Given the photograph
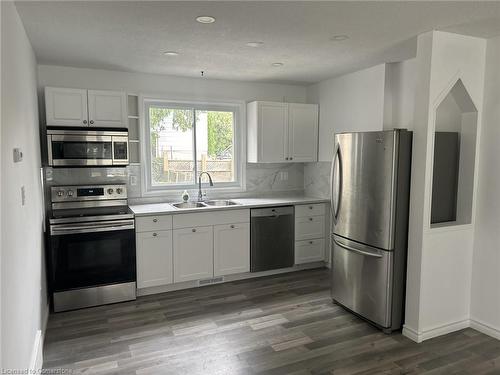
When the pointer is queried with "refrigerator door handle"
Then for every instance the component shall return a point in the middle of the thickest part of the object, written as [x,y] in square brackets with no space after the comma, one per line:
[336,202]
[369,253]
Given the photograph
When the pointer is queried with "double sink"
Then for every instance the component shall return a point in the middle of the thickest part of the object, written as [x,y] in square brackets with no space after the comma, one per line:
[211,203]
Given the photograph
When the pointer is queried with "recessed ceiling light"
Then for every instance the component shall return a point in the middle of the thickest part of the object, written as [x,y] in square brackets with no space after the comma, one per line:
[339,38]
[254,44]
[171,53]
[277,64]
[205,19]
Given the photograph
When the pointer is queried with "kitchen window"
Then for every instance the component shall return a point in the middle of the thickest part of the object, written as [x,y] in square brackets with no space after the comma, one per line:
[184,139]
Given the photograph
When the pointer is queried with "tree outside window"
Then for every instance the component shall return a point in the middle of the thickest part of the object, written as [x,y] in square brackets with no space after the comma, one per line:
[187,141]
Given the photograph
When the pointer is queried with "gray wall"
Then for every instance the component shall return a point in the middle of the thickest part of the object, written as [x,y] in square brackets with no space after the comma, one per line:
[23,301]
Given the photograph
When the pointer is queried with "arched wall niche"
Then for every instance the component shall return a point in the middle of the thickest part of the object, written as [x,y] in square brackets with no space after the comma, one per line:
[455,134]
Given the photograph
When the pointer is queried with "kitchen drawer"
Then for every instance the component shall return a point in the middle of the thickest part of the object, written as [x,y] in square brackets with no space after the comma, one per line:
[316,209]
[201,219]
[153,223]
[309,251]
[309,227]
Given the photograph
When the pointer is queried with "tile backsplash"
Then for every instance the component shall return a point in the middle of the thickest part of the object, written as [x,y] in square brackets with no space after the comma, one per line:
[317,179]
[261,179]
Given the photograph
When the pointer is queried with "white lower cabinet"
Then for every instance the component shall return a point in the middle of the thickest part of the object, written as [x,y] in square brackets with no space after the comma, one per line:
[154,258]
[231,249]
[193,253]
[310,229]
[309,251]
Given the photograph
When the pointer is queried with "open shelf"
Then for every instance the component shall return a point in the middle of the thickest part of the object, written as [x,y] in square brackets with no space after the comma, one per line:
[133,129]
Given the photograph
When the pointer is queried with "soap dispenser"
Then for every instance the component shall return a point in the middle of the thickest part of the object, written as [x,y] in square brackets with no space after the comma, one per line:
[185,196]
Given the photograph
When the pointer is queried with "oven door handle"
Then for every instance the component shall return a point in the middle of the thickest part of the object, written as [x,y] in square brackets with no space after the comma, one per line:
[62,229]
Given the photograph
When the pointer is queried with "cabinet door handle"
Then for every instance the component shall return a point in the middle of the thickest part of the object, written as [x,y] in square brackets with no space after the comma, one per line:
[155,220]
[310,219]
[311,242]
[232,226]
[155,234]
[310,207]
[85,122]
[193,230]
[291,158]
[91,122]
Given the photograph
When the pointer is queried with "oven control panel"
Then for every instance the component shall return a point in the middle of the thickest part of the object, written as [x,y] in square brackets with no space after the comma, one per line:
[85,193]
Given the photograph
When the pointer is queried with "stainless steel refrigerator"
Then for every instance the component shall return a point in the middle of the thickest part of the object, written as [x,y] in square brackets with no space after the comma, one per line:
[370,186]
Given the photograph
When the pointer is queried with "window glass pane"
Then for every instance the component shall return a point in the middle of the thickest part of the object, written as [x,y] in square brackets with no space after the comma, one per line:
[215,144]
[172,148]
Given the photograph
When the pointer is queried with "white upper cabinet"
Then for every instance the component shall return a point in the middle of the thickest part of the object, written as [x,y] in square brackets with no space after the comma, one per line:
[79,107]
[66,107]
[107,108]
[303,132]
[282,132]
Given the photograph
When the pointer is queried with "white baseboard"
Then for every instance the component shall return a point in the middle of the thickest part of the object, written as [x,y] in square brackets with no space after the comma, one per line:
[411,334]
[485,328]
[419,336]
[36,362]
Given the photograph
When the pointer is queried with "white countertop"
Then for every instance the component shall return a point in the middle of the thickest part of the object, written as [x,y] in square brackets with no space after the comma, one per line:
[167,208]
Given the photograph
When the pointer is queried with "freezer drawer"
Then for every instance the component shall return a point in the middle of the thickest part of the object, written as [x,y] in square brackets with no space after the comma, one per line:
[362,280]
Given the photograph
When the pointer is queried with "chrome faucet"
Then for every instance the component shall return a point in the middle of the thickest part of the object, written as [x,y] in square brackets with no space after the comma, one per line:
[200,193]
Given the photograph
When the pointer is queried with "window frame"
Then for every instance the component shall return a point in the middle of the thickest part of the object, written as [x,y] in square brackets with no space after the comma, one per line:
[239,154]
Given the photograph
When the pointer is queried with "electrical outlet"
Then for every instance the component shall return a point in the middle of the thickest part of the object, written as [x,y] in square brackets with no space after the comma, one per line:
[284,175]
[133,180]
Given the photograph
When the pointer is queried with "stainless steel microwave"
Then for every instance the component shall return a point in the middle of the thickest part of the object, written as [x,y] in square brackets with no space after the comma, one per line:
[87,148]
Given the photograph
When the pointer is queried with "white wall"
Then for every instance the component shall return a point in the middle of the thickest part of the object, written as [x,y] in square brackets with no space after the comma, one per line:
[169,86]
[352,102]
[22,294]
[439,259]
[485,303]
[399,102]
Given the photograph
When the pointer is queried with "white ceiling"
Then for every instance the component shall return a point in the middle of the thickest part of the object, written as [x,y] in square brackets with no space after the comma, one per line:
[131,35]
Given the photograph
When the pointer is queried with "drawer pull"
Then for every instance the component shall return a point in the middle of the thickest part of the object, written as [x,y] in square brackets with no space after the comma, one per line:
[155,220]
[155,234]
[310,219]
[193,230]
[311,207]
[232,226]
[311,242]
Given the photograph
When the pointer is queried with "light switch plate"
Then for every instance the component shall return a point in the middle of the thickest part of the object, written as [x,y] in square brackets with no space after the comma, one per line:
[18,155]
[23,195]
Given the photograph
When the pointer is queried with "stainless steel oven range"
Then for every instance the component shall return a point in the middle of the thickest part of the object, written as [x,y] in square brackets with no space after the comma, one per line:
[91,252]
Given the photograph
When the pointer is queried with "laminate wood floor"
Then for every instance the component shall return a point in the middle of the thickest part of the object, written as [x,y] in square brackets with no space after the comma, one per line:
[284,324]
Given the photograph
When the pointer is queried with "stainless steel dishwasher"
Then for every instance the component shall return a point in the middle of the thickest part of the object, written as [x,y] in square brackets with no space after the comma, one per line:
[272,238]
